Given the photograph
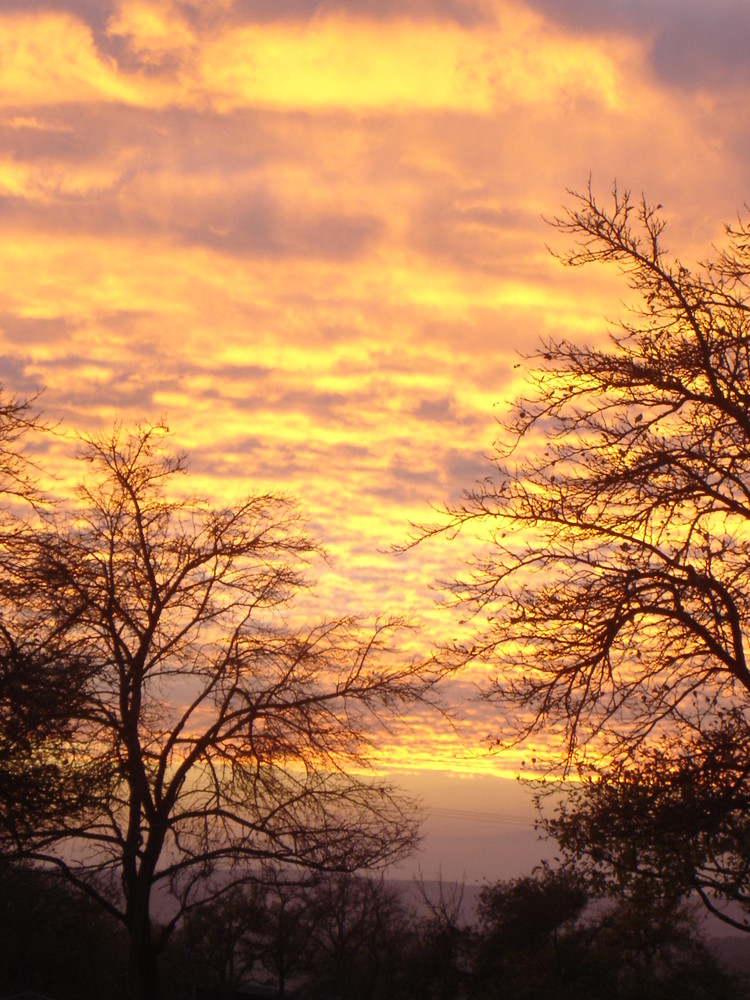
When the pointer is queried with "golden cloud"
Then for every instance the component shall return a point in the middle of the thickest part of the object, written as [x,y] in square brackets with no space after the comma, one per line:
[331,62]
[335,63]
[51,58]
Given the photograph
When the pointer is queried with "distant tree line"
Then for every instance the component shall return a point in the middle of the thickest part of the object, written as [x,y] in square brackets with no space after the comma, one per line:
[544,936]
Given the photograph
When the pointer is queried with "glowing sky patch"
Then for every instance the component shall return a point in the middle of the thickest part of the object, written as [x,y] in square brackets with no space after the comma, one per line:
[76,73]
[311,237]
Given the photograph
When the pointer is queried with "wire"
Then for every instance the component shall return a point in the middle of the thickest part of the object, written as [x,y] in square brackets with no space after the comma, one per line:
[477,816]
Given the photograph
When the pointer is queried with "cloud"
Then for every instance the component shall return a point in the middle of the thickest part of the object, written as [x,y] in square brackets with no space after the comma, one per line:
[475,230]
[40,329]
[704,46]
[467,13]
[17,378]
[262,228]
[440,410]
[306,54]
[78,72]
[95,13]
[604,16]
[332,62]
[154,57]
[253,224]
[690,44]
[311,233]
[463,471]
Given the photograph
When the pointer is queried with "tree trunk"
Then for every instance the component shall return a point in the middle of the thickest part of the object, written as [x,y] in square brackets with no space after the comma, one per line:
[142,956]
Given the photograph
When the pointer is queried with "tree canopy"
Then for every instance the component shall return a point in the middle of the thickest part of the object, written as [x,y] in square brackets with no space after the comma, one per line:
[41,678]
[612,592]
[208,731]
[613,595]
[675,821]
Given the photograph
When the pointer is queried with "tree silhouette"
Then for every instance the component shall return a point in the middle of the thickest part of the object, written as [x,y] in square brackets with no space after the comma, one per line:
[360,928]
[217,945]
[549,934]
[441,960]
[212,733]
[41,677]
[675,821]
[54,941]
[288,924]
[613,594]
[18,482]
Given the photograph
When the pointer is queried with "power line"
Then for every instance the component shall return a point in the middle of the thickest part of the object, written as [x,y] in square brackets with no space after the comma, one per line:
[478,816]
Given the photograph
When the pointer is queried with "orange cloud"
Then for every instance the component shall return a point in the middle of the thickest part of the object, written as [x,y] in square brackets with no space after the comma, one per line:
[51,58]
[156,33]
[315,244]
[329,62]
[360,63]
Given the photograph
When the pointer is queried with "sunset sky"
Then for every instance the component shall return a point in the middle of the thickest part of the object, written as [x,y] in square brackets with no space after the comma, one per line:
[309,235]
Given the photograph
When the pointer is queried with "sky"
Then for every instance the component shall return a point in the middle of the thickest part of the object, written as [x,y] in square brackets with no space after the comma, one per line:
[311,236]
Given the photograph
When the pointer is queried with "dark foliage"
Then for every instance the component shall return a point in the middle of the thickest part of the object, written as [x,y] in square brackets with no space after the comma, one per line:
[677,815]
[41,676]
[549,935]
[55,941]
[545,935]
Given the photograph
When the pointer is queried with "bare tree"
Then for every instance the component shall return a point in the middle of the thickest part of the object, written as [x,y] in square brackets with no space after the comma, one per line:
[214,734]
[613,594]
[288,924]
[360,927]
[217,945]
[442,961]
[39,682]
[19,418]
